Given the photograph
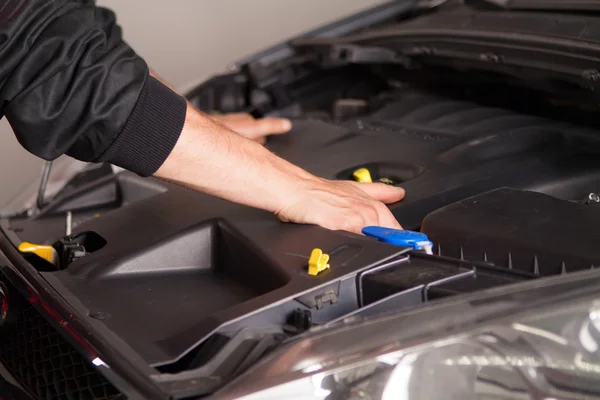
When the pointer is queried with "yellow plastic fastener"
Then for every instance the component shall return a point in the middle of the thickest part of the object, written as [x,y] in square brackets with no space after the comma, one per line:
[48,253]
[362,175]
[318,262]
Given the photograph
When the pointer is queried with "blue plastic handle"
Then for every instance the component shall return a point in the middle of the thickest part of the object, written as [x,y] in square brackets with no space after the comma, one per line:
[397,237]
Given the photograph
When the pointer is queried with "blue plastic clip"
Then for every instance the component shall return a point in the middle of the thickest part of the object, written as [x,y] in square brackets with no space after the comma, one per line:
[397,237]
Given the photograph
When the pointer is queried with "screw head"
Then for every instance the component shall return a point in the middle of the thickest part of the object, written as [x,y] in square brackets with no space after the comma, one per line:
[99,315]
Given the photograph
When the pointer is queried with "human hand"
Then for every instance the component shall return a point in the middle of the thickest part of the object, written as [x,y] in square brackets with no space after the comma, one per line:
[214,160]
[243,123]
[252,128]
[342,205]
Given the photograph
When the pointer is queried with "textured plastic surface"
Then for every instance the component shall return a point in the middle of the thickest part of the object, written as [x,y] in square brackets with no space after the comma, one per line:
[555,51]
[432,277]
[180,266]
[519,230]
[98,191]
[192,289]
[199,278]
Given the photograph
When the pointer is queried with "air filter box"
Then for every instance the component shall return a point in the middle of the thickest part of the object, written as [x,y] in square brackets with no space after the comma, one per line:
[515,229]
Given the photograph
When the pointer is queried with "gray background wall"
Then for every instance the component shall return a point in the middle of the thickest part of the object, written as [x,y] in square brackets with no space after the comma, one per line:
[186,41]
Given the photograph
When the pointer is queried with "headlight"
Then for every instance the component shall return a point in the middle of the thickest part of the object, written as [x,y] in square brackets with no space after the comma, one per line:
[551,350]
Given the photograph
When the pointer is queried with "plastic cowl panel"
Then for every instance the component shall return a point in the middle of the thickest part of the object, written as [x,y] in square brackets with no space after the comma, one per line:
[547,351]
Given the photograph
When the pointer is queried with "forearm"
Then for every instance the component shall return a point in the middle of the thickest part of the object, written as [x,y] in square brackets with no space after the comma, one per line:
[214,160]
[77,88]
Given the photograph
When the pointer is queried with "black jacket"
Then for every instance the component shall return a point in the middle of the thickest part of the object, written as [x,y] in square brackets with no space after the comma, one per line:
[70,85]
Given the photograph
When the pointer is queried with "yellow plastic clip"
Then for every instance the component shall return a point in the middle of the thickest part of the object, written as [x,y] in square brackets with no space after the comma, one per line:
[318,262]
[48,253]
[362,175]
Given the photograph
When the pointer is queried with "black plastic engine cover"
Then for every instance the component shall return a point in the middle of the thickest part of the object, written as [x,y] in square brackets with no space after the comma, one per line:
[518,229]
[179,266]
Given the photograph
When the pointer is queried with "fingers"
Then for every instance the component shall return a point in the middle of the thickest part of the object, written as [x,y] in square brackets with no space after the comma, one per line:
[256,129]
[376,212]
[268,126]
[380,191]
[373,214]
[233,117]
[386,218]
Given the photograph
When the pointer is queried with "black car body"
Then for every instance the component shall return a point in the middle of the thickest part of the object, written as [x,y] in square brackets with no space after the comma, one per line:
[484,111]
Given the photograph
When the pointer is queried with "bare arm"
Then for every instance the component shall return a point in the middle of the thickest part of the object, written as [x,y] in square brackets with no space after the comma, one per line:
[78,89]
[210,158]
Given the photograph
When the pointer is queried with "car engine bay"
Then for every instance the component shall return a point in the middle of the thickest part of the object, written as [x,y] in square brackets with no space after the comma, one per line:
[505,197]
[505,183]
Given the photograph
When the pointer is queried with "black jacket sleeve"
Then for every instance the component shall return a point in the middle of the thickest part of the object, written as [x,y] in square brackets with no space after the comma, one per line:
[70,85]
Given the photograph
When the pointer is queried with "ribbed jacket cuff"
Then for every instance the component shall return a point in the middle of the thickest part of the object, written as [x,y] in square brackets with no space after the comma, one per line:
[151,131]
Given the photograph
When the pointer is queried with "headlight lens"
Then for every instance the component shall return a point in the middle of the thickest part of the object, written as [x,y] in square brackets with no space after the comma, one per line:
[551,353]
